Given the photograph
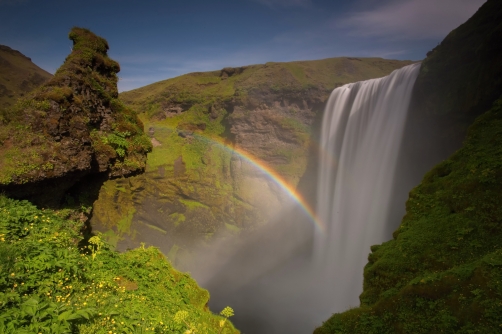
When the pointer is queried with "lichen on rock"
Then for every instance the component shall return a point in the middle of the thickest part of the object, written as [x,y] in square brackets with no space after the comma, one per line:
[71,127]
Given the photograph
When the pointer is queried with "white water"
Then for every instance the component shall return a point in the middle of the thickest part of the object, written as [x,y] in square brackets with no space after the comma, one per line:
[361,134]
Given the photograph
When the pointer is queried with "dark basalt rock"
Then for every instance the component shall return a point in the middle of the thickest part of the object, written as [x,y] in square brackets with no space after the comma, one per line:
[458,81]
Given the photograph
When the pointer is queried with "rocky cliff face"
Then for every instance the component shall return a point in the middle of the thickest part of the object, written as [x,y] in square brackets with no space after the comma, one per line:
[213,133]
[71,127]
[458,81]
[18,76]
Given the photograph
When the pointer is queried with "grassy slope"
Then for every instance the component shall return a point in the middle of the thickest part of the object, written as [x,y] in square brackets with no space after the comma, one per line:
[51,281]
[442,271]
[209,87]
[18,75]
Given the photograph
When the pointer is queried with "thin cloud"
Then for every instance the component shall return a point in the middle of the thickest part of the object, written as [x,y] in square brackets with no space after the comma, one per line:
[285,3]
[410,19]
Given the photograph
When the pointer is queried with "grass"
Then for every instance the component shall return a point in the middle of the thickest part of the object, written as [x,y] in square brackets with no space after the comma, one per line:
[18,76]
[442,270]
[54,281]
[209,89]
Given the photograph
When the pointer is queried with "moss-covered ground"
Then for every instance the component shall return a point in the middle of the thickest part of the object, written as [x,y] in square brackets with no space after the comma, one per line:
[54,281]
[442,272]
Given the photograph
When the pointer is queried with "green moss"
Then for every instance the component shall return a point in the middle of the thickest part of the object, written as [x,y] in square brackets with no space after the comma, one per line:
[192,205]
[232,228]
[177,218]
[124,224]
[156,228]
[41,121]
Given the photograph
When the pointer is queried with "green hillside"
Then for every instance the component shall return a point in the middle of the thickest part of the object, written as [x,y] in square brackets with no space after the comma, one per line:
[243,84]
[60,142]
[18,76]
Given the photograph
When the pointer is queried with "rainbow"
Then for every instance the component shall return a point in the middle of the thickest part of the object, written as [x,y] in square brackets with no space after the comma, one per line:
[271,174]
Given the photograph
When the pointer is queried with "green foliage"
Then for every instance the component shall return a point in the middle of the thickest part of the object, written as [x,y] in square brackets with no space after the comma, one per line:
[227,312]
[52,282]
[118,140]
[442,271]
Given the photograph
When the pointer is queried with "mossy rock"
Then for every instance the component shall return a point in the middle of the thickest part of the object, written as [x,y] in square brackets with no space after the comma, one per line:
[70,127]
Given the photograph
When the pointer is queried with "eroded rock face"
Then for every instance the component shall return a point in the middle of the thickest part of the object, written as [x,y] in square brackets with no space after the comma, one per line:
[71,127]
[458,81]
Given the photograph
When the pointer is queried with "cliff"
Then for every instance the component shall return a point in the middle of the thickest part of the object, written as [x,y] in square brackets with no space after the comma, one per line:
[458,81]
[18,76]
[441,270]
[213,133]
[71,127]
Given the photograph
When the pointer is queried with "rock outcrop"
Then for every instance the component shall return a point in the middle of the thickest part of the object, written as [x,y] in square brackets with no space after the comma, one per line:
[458,81]
[71,127]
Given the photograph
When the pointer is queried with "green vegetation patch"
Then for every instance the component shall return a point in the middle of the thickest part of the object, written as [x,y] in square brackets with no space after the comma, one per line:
[442,272]
[53,281]
[192,205]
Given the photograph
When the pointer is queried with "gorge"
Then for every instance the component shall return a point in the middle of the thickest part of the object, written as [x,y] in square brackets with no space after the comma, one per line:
[270,184]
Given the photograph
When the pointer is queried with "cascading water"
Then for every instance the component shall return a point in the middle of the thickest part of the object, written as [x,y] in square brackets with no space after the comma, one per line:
[274,281]
[361,134]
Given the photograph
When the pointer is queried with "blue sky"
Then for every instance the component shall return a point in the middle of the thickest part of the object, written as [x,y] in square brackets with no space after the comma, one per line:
[158,39]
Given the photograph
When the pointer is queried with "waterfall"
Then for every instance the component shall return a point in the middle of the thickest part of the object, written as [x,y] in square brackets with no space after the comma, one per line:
[361,134]
[273,280]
